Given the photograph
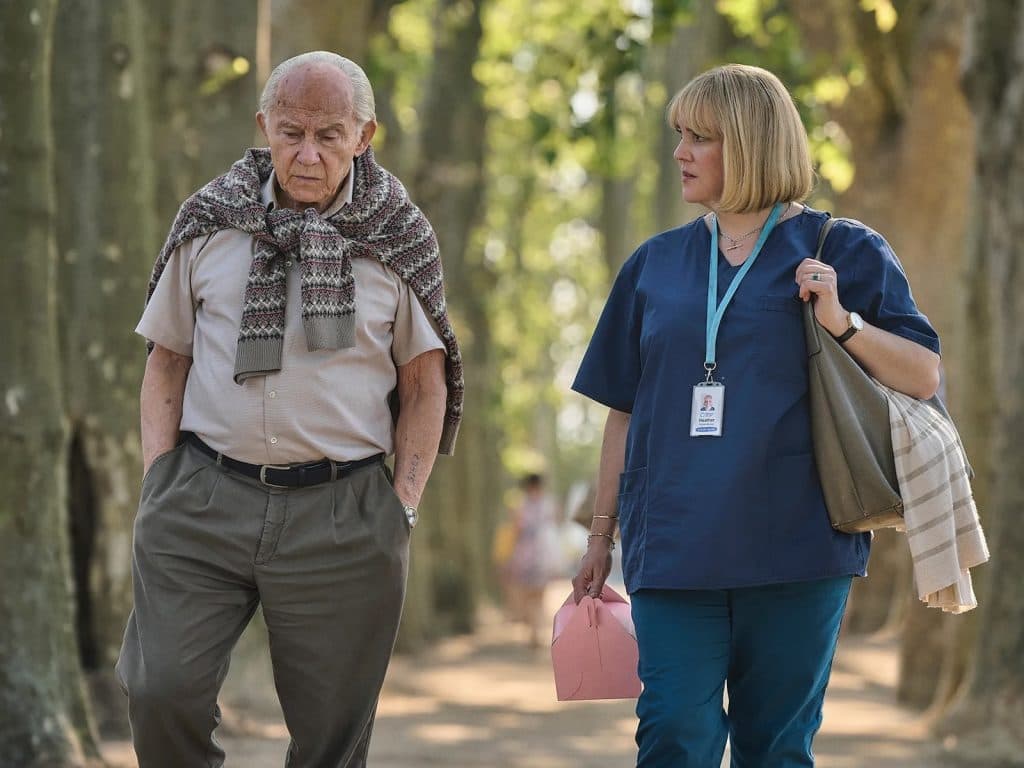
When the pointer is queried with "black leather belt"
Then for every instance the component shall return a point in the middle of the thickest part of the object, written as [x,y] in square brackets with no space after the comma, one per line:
[287,475]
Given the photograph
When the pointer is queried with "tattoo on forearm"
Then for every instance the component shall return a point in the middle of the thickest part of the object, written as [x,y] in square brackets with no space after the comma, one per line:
[414,465]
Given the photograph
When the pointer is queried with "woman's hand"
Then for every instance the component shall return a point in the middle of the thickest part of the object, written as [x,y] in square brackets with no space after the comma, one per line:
[593,570]
[897,362]
[816,278]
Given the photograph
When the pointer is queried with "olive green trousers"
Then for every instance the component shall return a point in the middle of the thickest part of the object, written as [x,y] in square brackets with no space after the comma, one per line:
[327,563]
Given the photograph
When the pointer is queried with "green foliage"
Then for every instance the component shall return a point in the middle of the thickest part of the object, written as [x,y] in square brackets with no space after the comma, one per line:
[768,36]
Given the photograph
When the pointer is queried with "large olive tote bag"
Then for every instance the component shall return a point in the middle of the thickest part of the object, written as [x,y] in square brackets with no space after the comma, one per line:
[851,432]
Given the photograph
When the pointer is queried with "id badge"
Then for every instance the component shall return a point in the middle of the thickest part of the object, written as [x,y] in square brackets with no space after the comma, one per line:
[706,410]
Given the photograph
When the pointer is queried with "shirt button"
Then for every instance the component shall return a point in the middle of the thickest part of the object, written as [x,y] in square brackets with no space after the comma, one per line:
[273,441]
[272,394]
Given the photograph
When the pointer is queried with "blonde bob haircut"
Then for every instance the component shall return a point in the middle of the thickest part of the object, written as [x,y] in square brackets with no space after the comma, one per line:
[765,154]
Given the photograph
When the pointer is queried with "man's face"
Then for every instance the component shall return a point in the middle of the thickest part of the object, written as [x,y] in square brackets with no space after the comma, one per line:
[313,135]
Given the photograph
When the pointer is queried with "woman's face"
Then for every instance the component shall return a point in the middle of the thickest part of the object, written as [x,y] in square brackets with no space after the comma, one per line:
[700,167]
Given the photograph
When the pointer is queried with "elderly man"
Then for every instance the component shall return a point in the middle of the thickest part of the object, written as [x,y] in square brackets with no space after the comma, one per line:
[299,335]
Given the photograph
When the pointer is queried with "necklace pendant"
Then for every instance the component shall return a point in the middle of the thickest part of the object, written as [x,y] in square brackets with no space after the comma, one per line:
[732,247]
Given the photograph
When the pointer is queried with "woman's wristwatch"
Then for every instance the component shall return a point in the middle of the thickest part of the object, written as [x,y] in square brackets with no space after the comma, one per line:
[854,323]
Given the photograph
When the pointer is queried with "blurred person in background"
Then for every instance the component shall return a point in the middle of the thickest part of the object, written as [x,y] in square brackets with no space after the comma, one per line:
[735,574]
[536,556]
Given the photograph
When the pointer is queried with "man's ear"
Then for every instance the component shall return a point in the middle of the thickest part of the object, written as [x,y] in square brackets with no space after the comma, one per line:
[261,121]
[369,129]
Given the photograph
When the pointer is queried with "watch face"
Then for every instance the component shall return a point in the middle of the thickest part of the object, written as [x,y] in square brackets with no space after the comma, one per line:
[856,321]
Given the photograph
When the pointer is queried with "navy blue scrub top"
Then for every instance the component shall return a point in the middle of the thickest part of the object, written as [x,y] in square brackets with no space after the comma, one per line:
[746,508]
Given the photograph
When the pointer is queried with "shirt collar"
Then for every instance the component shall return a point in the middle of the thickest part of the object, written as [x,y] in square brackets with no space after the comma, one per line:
[268,193]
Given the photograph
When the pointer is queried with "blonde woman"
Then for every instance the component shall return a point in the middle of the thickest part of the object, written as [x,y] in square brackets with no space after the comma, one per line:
[736,577]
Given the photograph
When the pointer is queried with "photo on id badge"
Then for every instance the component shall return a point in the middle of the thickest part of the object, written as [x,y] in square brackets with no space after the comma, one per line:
[706,410]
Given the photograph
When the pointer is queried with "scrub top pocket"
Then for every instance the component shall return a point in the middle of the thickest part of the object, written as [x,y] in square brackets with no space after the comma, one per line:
[782,349]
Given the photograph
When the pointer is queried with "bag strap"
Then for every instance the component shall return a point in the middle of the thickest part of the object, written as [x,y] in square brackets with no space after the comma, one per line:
[825,229]
[810,322]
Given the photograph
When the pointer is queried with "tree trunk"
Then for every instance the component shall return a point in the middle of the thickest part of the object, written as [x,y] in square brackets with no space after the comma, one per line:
[204,89]
[106,237]
[988,718]
[912,184]
[312,25]
[691,49]
[614,220]
[44,718]
[449,187]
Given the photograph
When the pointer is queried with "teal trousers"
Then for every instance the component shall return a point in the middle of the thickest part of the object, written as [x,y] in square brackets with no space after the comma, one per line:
[772,646]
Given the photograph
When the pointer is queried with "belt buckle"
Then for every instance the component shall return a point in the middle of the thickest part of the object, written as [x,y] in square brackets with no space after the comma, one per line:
[263,475]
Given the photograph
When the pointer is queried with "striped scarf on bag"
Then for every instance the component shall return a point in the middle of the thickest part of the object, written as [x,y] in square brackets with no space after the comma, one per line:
[380,223]
[940,516]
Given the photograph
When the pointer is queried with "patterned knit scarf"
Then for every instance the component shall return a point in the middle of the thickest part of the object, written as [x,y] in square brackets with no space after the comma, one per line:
[380,223]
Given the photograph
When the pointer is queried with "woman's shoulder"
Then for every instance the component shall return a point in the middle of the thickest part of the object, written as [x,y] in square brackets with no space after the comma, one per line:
[681,235]
[848,231]
[672,242]
[853,244]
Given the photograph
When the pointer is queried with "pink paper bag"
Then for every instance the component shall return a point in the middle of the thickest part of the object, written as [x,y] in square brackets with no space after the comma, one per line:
[593,649]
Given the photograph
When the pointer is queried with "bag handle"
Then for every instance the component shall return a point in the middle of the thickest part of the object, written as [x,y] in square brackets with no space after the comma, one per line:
[810,322]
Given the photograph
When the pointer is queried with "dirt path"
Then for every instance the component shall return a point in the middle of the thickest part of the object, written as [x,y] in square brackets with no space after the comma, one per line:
[487,701]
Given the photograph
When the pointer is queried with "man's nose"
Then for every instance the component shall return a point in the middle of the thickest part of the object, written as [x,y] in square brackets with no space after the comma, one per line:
[308,154]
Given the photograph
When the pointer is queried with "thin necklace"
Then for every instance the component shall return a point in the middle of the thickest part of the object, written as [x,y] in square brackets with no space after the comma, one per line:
[738,241]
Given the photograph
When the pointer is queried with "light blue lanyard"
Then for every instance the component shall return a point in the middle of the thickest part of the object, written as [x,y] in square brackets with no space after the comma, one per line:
[716,310]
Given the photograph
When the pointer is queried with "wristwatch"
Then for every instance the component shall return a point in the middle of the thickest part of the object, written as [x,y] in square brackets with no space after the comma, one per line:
[411,515]
[856,323]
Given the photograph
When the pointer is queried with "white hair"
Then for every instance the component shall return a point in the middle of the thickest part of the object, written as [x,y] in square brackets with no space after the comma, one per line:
[362,92]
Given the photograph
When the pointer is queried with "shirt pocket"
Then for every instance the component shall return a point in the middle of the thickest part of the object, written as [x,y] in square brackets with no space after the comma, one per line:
[782,348]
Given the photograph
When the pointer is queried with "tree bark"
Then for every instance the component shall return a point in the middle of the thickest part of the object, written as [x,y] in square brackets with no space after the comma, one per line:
[691,49]
[44,715]
[909,130]
[988,717]
[449,187]
[311,25]
[107,239]
[204,89]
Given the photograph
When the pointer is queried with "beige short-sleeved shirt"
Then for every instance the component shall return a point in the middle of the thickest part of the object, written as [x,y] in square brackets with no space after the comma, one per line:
[323,403]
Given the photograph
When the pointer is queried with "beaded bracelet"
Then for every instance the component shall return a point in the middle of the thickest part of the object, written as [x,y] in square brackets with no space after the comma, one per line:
[611,540]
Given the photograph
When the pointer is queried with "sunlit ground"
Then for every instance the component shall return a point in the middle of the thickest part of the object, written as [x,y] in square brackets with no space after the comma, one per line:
[488,700]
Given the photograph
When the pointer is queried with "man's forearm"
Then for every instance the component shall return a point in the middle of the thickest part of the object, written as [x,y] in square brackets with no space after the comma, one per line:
[422,395]
[163,390]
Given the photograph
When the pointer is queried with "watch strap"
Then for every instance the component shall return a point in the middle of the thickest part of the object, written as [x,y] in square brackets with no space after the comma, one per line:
[848,333]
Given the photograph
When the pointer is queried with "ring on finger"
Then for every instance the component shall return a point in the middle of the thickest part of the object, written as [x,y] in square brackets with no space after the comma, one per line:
[816,277]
